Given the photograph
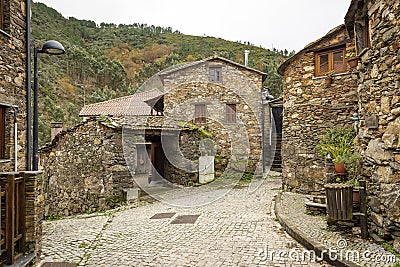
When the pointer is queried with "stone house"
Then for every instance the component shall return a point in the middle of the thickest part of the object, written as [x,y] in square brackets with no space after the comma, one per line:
[14,62]
[207,108]
[311,106]
[372,30]
[85,169]
[375,26]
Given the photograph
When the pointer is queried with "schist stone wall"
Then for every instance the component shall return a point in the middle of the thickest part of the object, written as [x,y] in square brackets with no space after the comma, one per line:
[237,144]
[85,169]
[13,99]
[182,154]
[379,109]
[12,80]
[310,107]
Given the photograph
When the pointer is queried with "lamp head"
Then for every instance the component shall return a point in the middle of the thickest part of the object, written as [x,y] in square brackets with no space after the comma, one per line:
[52,47]
[270,97]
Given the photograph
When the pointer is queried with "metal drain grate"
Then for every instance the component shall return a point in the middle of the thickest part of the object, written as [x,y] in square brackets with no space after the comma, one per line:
[163,215]
[185,219]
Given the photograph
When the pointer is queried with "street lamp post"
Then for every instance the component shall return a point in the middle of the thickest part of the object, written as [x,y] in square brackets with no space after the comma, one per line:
[52,48]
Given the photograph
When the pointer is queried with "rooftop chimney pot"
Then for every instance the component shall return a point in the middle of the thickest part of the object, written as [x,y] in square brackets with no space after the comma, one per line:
[56,128]
[246,57]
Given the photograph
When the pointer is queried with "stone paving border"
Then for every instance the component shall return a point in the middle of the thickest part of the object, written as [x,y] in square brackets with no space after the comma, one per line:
[309,231]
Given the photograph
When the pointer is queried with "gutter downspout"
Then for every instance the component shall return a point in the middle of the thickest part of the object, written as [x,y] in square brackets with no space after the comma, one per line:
[271,125]
[28,88]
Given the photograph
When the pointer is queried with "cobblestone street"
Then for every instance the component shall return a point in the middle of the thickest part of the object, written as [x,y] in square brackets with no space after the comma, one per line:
[239,229]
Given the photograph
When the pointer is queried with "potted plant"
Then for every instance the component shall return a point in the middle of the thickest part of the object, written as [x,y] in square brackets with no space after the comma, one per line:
[356,192]
[328,78]
[353,166]
[338,143]
[340,166]
[352,59]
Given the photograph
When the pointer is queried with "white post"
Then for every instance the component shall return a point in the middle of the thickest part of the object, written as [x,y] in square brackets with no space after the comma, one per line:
[206,169]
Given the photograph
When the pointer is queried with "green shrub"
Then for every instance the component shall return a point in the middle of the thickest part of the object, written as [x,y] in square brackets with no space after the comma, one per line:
[337,143]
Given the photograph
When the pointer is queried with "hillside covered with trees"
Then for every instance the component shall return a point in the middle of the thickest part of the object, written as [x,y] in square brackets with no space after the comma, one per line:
[107,61]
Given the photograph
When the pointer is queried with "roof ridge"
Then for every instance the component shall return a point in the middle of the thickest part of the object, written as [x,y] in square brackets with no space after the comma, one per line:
[122,97]
[123,105]
[108,101]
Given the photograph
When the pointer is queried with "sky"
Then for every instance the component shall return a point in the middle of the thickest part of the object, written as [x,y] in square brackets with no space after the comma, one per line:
[280,24]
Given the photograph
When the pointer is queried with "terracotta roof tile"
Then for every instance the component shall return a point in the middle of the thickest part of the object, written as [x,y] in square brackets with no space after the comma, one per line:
[133,105]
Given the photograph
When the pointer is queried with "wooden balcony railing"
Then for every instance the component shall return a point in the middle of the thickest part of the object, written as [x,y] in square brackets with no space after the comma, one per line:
[12,216]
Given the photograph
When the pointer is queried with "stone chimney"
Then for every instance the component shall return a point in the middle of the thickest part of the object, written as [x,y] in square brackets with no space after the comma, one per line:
[246,57]
[56,128]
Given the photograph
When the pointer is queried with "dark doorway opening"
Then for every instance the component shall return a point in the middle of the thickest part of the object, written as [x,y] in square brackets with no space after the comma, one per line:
[277,114]
[158,162]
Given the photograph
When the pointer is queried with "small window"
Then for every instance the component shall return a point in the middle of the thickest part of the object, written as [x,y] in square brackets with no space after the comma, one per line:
[363,38]
[330,61]
[215,74]
[231,113]
[2,15]
[2,132]
[200,113]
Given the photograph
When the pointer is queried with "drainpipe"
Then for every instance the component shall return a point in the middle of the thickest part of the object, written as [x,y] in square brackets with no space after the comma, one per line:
[271,122]
[28,88]
[356,120]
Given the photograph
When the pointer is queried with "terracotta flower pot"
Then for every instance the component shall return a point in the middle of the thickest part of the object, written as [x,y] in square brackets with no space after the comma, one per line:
[328,80]
[340,168]
[353,62]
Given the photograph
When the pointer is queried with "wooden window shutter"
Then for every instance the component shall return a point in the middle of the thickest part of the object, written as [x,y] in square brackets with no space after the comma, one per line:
[2,132]
[200,113]
[231,113]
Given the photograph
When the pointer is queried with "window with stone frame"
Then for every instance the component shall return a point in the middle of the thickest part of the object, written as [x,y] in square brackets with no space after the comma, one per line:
[2,15]
[230,113]
[200,113]
[330,60]
[2,132]
[216,74]
[363,37]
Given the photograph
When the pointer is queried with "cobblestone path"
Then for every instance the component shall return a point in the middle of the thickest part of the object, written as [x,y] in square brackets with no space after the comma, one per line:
[239,229]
